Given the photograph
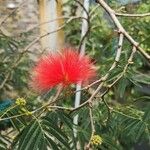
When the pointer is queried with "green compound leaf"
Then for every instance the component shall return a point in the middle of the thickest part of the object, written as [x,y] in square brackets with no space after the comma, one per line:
[41,134]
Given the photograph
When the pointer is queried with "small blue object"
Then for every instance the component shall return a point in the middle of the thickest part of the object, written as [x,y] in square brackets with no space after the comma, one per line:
[5,104]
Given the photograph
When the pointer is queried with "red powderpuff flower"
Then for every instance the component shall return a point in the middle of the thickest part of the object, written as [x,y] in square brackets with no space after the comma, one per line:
[64,68]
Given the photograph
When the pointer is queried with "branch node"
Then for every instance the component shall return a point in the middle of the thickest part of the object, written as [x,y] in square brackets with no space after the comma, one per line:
[120,31]
[90,104]
[130,62]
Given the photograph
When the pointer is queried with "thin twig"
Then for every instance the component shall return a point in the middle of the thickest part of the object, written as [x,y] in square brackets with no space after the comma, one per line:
[92,128]
[107,106]
[53,20]
[9,109]
[132,15]
[11,117]
[125,68]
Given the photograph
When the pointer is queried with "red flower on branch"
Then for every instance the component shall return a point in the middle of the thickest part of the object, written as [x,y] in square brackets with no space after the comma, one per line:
[64,68]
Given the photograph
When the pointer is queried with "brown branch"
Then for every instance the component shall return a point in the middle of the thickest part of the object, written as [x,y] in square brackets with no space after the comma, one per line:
[112,14]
